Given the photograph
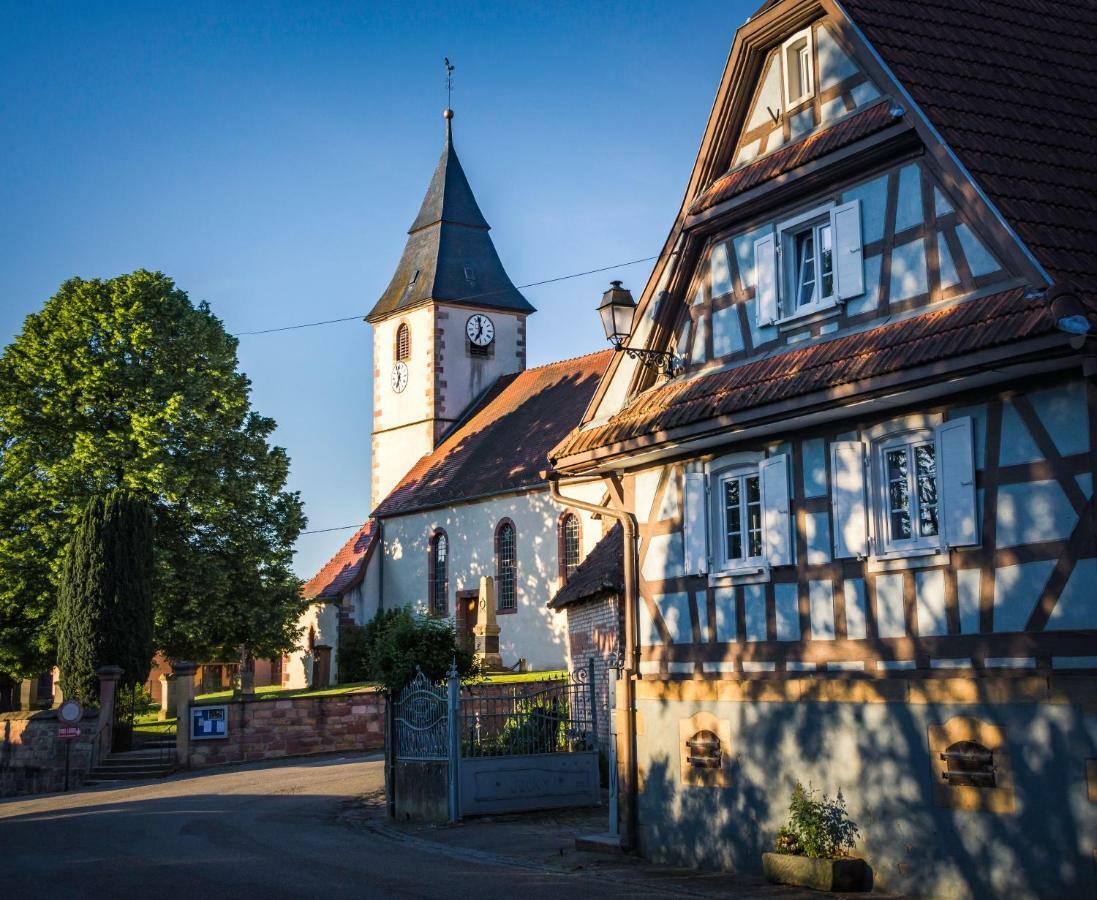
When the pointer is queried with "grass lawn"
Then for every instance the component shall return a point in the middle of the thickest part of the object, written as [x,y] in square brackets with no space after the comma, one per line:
[273,692]
[519,677]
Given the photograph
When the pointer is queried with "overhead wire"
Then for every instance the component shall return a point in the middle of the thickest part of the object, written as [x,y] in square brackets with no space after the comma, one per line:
[466,299]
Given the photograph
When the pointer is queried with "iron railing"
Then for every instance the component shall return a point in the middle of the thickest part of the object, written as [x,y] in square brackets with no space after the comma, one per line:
[509,720]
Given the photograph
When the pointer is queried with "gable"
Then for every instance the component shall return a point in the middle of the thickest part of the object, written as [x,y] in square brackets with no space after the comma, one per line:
[838,87]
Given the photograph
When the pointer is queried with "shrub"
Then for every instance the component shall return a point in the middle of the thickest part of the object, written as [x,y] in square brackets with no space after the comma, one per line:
[398,641]
[353,653]
[818,826]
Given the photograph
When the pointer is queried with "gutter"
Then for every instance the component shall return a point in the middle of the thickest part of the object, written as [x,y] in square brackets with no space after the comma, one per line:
[631,667]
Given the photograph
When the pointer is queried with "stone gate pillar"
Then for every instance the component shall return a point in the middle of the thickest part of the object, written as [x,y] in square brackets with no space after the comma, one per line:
[108,692]
[181,683]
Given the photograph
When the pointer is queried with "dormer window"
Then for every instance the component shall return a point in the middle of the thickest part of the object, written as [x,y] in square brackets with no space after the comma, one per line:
[797,54]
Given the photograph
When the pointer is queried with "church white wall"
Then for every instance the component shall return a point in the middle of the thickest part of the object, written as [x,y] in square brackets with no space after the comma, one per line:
[394,453]
[413,404]
[533,632]
[466,377]
[324,618]
[364,598]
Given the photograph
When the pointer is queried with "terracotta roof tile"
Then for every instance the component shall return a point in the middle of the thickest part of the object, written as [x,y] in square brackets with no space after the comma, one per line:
[868,121]
[344,570]
[1008,84]
[503,445]
[603,570]
[955,331]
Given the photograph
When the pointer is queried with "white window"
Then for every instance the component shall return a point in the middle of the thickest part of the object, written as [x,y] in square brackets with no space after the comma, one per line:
[908,494]
[922,486]
[797,54]
[740,523]
[810,263]
[737,516]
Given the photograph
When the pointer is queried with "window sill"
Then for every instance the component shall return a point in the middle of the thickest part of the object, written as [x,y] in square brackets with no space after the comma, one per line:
[744,575]
[509,611]
[808,315]
[908,559]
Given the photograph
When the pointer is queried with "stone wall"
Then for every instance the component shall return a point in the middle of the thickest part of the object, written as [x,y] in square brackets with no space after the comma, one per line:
[295,726]
[32,759]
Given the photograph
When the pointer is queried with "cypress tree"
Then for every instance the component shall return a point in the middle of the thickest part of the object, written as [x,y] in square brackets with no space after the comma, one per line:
[105,610]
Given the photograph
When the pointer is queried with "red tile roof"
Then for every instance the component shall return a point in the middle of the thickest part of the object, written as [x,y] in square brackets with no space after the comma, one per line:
[344,570]
[869,121]
[603,570]
[1009,84]
[503,445]
[949,333]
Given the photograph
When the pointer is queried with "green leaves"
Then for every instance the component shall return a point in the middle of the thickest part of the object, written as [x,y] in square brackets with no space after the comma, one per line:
[818,826]
[124,383]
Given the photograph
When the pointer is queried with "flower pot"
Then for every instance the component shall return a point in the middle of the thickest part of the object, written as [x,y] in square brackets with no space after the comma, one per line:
[847,874]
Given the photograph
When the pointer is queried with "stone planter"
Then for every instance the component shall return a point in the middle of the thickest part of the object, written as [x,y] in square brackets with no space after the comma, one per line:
[818,874]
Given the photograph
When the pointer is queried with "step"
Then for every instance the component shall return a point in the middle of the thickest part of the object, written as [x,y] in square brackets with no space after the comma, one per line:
[107,778]
[599,843]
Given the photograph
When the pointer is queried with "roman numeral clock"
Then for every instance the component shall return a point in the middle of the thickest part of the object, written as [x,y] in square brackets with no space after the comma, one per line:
[480,330]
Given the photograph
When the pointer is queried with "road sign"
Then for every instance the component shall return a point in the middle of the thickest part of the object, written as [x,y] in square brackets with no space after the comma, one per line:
[70,712]
[68,734]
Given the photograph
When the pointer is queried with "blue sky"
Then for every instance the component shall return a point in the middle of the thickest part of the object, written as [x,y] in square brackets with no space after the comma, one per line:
[270,157]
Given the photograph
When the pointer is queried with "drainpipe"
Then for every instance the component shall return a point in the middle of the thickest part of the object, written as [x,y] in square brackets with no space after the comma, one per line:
[632,645]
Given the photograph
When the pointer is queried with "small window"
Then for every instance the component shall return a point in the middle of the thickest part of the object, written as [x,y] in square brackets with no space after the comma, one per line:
[478,352]
[470,274]
[505,568]
[908,493]
[414,278]
[570,544]
[403,342]
[439,574]
[969,764]
[703,750]
[799,75]
[807,251]
[741,497]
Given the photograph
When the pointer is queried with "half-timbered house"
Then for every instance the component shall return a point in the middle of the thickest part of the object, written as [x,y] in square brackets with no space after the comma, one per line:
[860,522]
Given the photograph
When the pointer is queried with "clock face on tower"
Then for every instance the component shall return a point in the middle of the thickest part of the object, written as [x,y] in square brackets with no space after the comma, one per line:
[480,330]
[399,377]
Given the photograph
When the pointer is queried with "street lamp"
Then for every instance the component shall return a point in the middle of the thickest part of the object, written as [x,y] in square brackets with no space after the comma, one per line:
[618,313]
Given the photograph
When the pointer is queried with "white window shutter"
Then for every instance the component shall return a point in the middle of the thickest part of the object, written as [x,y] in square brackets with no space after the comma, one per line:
[695,524]
[847,498]
[776,525]
[956,483]
[765,278]
[849,252]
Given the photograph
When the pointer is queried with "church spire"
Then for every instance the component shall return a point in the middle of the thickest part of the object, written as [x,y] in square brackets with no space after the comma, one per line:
[449,256]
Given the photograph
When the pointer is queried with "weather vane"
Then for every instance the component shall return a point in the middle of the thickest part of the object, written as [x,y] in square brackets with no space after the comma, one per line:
[449,84]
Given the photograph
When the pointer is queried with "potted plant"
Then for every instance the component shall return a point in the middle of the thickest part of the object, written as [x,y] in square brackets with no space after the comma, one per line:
[812,850]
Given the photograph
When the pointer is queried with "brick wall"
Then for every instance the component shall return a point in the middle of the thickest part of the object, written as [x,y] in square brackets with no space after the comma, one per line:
[296,726]
[595,628]
[32,759]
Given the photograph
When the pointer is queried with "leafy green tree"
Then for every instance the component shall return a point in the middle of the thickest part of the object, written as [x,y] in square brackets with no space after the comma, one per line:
[104,608]
[124,383]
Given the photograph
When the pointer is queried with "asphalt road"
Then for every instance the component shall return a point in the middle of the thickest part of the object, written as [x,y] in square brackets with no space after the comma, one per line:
[282,830]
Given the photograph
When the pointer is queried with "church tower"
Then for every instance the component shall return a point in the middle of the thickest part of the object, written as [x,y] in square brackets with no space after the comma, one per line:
[449,324]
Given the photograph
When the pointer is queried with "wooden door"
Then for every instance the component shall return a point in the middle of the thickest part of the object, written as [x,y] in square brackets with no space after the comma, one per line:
[466,616]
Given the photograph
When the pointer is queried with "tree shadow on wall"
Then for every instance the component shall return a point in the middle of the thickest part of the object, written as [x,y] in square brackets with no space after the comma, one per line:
[878,755]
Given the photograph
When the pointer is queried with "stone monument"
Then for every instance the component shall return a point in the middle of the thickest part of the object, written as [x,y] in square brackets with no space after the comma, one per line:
[486,631]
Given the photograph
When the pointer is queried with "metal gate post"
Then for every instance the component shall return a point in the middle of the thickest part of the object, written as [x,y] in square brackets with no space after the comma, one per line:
[453,710]
[593,686]
[611,690]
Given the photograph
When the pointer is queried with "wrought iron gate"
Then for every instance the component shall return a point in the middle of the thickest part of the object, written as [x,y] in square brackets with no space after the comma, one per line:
[422,721]
[506,748]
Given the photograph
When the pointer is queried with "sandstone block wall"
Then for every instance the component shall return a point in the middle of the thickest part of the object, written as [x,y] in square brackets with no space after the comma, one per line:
[32,759]
[295,726]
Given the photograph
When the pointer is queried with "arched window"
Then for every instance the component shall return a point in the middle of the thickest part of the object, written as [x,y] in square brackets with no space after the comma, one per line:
[403,342]
[506,585]
[439,574]
[570,544]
